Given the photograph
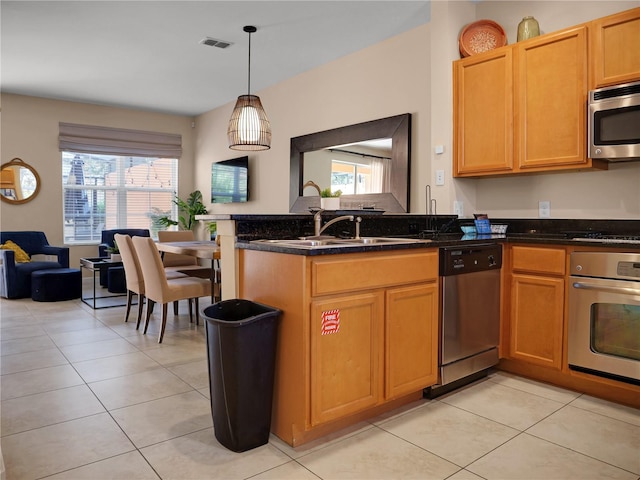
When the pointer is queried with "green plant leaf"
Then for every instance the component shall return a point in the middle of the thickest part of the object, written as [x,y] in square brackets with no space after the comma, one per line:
[187,211]
[327,193]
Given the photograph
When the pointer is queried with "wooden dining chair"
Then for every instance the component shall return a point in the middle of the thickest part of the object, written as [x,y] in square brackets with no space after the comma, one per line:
[159,290]
[133,275]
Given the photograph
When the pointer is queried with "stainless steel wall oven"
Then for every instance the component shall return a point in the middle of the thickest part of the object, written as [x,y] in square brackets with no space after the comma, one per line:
[604,314]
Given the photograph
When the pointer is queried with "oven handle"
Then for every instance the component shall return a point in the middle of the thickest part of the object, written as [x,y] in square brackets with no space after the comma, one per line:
[593,286]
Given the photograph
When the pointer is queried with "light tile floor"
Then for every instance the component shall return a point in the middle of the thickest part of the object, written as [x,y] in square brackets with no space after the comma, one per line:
[86,396]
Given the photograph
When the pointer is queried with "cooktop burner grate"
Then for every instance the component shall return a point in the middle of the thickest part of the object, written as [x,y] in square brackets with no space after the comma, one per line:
[602,238]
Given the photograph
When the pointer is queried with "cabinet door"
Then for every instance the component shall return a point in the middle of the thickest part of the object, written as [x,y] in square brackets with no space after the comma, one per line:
[411,339]
[615,43]
[346,355]
[483,114]
[537,312]
[551,94]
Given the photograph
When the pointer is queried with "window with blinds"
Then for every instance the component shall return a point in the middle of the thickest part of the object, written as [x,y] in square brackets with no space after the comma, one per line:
[114,178]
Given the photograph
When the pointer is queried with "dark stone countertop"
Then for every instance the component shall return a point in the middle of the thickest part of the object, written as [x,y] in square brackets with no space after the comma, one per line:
[447,240]
[441,230]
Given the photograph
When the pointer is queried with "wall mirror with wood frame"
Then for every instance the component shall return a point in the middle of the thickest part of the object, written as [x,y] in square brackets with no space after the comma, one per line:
[19,182]
[369,162]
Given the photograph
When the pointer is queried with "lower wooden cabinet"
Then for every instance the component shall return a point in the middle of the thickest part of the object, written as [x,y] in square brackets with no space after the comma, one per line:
[346,334]
[411,339]
[358,333]
[537,305]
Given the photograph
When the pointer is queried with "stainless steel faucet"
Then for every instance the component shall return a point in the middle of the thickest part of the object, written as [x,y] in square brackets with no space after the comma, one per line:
[319,228]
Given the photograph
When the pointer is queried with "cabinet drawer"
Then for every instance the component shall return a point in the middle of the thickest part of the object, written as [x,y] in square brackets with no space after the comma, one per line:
[367,271]
[538,260]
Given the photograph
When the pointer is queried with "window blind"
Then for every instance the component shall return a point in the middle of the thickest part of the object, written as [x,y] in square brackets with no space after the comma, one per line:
[118,141]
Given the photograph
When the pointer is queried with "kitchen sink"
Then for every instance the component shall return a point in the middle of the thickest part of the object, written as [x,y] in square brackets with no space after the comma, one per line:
[304,243]
[340,242]
[376,241]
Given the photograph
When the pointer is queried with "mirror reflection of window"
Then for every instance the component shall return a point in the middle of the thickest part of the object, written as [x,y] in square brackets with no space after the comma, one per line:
[355,169]
[28,182]
[350,177]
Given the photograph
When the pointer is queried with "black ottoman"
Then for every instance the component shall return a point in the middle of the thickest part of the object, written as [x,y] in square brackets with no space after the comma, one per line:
[56,284]
[116,282]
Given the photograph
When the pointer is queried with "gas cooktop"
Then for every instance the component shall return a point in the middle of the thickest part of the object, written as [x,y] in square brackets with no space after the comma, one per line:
[604,238]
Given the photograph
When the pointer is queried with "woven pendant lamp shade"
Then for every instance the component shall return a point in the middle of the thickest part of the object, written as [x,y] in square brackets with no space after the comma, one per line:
[249,127]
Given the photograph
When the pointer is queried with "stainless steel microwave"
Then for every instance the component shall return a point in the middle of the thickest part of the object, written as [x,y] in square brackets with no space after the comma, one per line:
[614,122]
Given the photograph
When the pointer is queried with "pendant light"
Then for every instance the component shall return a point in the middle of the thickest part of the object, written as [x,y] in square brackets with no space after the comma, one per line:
[249,127]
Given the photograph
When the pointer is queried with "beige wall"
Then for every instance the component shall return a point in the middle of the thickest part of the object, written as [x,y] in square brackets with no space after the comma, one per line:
[389,78]
[29,128]
[415,77]
[609,194]
[408,73]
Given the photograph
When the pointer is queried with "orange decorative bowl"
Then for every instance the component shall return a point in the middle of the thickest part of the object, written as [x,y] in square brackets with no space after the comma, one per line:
[481,36]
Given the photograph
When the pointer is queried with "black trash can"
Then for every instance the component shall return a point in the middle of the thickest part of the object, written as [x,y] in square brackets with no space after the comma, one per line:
[241,348]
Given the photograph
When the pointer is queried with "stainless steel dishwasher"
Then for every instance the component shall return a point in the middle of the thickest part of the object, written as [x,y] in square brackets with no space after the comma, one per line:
[469,314]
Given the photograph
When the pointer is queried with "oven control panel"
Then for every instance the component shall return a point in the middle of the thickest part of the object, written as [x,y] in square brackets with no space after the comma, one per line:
[629,269]
[622,266]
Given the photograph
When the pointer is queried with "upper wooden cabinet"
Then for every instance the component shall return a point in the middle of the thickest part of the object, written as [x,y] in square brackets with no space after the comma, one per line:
[615,49]
[551,94]
[522,108]
[483,114]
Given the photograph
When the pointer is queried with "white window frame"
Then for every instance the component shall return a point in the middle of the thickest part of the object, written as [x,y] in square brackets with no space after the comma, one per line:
[121,190]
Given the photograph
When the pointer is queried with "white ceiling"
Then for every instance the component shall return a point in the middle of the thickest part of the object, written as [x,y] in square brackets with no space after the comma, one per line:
[147,54]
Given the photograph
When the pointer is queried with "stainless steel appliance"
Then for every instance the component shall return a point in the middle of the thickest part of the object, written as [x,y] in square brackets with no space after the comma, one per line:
[469,314]
[604,314]
[614,122]
[597,237]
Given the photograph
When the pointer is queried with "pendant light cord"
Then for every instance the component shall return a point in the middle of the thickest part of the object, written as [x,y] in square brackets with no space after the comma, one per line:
[249,69]
[249,29]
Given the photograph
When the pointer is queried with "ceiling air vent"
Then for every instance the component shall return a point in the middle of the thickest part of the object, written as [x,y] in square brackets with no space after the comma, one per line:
[212,42]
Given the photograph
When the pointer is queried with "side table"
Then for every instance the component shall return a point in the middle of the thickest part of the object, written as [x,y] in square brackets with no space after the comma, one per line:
[106,299]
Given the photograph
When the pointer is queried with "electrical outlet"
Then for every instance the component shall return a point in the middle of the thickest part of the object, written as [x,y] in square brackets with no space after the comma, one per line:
[544,209]
[458,208]
[439,177]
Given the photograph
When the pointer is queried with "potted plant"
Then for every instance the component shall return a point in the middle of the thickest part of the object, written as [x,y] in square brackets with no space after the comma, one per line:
[330,200]
[114,252]
[187,211]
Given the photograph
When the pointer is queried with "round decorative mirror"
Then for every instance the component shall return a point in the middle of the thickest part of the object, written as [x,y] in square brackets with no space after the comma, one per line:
[19,182]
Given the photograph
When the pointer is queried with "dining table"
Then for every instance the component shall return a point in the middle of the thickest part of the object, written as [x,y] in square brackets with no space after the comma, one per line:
[204,249]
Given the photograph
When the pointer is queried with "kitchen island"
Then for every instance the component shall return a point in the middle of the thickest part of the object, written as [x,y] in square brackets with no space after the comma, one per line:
[358,334]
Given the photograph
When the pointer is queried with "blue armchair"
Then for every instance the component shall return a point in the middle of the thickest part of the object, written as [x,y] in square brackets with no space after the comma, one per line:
[15,278]
[113,278]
